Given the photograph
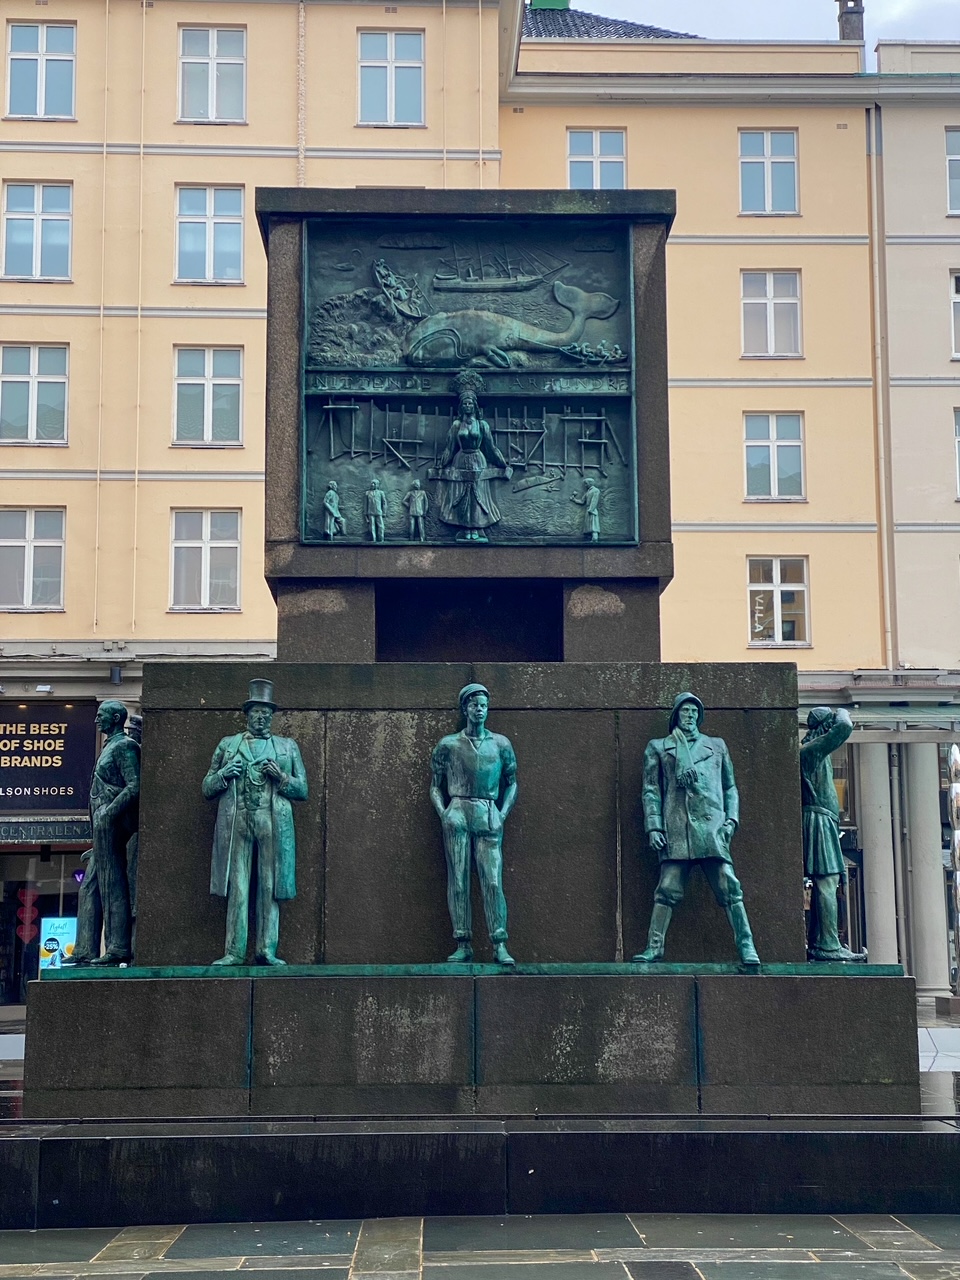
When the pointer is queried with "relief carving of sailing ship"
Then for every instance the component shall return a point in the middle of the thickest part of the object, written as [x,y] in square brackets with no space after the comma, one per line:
[494,272]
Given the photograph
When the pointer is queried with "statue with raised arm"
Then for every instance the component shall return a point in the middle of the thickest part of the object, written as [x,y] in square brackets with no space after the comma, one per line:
[691,811]
[254,776]
[115,817]
[827,731]
[473,788]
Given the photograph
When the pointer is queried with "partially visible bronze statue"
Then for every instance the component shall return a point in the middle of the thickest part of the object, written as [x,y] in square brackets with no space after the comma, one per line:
[115,816]
[417,504]
[254,776]
[691,810]
[473,788]
[470,460]
[827,730]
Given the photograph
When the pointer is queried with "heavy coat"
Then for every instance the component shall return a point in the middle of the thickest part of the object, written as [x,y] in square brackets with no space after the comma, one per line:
[690,817]
[822,854]
[284,846]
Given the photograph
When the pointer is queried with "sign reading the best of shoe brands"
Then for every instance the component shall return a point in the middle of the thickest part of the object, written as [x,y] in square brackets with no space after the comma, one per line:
[47,754]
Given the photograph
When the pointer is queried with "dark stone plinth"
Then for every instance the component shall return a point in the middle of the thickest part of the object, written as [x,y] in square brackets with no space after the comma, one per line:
[608,1040]
[564,1044]
[365,1045]
[817,1046]
[137,1048]
[578,874]
[209,1171]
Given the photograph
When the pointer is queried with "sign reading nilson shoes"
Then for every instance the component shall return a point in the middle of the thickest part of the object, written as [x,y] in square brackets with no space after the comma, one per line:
[47,754]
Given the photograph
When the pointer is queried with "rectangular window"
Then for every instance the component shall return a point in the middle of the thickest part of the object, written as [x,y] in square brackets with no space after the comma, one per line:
[33,395]
[40,70]
[768,171]
[778,601]
[953,170]
[31,558]
[774,455]
[206,560]
[36,230]
[956,432]
[207,395]
[955,290]
[212,71]
[596,159]
[391,77]
[210,233]
[771,313]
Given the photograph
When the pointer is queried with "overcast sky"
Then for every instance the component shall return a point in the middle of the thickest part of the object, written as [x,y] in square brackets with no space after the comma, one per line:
[788,19]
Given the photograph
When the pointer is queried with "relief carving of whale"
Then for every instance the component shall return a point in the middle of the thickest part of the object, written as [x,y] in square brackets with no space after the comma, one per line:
[457,337]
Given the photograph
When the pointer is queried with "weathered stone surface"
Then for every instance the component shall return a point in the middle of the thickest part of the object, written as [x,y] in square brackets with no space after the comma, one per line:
[809,1045]
[103,1048]
[584,1043]
[326,622]
[362,1045]
[611,621]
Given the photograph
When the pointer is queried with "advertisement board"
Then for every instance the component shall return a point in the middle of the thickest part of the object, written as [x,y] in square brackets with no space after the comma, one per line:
[47,753]
[58,936]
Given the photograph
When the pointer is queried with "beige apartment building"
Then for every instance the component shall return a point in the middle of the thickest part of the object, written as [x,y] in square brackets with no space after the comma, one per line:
[132,305]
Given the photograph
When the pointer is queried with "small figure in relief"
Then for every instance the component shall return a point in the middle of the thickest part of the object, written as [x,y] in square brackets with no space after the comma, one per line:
[469,771]
[590,501]
[374,508]
[469,462]
[333,521]
[417,504]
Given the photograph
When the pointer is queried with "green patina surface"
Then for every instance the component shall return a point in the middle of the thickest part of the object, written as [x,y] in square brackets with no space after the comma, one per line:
[474,970]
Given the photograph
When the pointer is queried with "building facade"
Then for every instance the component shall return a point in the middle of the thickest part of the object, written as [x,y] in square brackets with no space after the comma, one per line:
[813,303]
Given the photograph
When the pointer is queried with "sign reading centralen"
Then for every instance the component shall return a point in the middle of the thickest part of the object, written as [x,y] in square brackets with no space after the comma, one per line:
[47,754]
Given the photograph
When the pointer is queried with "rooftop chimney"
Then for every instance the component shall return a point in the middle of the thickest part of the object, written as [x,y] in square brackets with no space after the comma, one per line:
[851,20]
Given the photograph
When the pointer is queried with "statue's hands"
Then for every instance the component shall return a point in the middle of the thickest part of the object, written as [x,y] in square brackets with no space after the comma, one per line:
[273,771]
[658,841]
[508,473]
[727,830]
[103,817]
[687,777]
[231,770]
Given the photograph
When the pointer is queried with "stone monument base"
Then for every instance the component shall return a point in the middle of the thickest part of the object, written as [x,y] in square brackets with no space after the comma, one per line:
[472,1041]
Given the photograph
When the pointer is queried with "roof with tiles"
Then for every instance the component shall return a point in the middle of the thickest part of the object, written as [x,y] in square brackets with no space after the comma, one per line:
[573,24]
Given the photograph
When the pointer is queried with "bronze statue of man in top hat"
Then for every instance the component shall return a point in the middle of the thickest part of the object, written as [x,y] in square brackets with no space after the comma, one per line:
[254,776]
[691,810]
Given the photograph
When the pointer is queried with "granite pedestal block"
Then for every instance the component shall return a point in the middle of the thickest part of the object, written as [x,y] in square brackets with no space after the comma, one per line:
[471,1041]
[578,874]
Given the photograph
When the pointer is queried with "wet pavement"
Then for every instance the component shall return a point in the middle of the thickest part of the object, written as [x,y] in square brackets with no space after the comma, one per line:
[631,1246]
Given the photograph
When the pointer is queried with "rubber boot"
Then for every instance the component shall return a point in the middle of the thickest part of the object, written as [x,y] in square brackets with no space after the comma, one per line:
[463,953]
[501,955]
[827,948]
[659,923]
[270,958]
[737,915]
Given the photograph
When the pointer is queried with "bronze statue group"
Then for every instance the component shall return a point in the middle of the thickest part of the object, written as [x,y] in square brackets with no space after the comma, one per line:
[691,813]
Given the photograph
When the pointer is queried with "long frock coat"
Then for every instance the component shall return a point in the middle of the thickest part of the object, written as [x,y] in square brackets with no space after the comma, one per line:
[284,845]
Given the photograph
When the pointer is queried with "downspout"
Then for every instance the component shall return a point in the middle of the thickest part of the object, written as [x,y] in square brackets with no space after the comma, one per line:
[896,820]
[443,93]
[101,322]
[137,415]
[302,94]
[480,91]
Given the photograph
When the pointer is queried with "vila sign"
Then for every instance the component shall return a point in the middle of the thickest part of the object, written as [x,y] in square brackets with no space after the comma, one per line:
[47,753]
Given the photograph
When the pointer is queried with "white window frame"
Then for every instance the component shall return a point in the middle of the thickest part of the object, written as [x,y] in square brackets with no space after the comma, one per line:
[770,353]
[773,444]
[956,432]
[769,162]
[37,217]
[953,168]
[33,378]
[596,158]
[29,543]
[208,380]
[776,587]
[205,543]
[212,61]
[391,62]
[210,219]
[955,307]
[42,57]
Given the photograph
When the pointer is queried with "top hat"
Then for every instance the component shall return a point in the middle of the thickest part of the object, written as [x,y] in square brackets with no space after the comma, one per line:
[261,694]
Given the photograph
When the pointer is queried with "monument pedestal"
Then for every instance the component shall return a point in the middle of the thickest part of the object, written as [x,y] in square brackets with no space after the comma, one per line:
[472,1040]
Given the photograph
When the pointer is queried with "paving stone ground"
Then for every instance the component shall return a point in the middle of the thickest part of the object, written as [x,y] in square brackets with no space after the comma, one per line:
[611,1246]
